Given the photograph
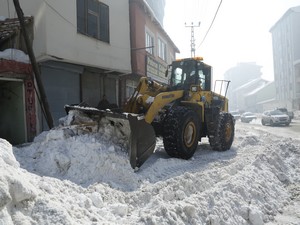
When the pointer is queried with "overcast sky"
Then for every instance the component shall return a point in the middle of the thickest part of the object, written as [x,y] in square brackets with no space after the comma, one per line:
[240,32]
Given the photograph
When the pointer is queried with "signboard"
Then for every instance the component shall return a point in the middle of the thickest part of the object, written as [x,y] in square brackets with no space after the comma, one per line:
[156,70]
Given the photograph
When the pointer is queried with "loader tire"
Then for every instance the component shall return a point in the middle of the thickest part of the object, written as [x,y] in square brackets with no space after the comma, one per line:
[181,133]
[223,135]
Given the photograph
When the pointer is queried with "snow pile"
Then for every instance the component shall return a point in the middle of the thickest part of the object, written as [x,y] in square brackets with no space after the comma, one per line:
[71,176]
[14,54]
[82,154]
[15,189]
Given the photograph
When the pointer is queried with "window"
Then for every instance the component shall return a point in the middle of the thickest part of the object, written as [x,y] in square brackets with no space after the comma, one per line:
[149,43]
[162,49]
[93,19]
[130,87]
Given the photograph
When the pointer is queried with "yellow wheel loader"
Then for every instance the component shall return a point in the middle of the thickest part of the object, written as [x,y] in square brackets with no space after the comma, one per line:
[181,112]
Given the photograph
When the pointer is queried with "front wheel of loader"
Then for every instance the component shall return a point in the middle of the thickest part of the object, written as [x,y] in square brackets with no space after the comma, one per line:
[181,133]
[223,135]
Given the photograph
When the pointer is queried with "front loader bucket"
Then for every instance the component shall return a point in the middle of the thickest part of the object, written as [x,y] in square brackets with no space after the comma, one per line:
[141,135]
[142,141]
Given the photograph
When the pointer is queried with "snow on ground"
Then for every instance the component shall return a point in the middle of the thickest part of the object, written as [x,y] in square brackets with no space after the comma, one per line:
[70,176]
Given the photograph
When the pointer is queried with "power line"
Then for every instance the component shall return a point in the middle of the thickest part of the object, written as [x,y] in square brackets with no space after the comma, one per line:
[211,23]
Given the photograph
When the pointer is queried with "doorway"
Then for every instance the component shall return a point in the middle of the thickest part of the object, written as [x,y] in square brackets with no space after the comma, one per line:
[12,111]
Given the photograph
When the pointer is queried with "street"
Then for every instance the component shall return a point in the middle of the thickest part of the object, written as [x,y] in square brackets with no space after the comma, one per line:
[291,131]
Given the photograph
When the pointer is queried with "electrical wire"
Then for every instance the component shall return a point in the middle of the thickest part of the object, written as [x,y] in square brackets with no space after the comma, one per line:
[216,13]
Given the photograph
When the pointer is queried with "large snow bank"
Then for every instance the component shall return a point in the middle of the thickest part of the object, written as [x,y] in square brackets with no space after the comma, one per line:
[68,176]
[15,188]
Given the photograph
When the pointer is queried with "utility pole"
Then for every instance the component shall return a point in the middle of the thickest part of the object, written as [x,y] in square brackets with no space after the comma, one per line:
[44,102]
[192,26]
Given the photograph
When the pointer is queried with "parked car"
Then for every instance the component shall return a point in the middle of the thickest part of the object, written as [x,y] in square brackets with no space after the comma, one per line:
[289,113]
[275,117]
[247,117]
[236,115]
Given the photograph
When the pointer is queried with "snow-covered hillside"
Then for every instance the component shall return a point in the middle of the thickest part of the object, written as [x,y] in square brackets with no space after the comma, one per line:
[68,178]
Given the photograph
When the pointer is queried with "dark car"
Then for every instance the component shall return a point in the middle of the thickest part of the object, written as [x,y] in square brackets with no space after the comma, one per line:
[275,117]
[289,113]
[247,117]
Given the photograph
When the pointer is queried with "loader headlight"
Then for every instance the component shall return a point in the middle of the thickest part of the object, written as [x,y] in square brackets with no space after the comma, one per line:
[194,89]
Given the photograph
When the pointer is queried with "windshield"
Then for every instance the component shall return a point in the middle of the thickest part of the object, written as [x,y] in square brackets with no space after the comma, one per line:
[183,71]
[190,72]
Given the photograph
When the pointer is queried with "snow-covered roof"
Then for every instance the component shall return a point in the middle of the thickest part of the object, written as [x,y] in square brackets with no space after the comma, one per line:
[260,87]
[250,83]
[266,101]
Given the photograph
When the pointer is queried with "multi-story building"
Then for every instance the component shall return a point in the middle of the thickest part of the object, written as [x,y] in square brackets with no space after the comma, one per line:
[85,49]
[151,47]
[286,58]
[158,7]
[261,98]
[82,48]
[244,77]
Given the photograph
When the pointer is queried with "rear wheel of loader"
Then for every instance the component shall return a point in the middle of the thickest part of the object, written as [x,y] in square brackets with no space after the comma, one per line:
[181,133]
[224,133]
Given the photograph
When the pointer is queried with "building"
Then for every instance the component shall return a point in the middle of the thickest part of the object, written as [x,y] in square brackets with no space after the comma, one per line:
[79,49]
[243,78]
[18,120]
[151,47]
[158,8]
[286,58]
[84,51]
[239,95]
[262,98]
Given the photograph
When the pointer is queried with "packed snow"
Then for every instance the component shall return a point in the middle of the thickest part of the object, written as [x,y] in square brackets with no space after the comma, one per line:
[79,175]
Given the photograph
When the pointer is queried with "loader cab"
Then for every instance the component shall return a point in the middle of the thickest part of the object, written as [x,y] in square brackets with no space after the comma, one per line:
[191,71]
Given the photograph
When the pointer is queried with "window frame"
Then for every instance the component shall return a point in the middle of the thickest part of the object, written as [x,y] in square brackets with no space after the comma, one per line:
[102,19]
[162,49]
[149,36]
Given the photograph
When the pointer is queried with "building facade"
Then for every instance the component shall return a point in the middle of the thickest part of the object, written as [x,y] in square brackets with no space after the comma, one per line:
[261,98]
[79,49]
[18,120]
[286,58]
[85,49]
[243,78]
[152,50]
[158,7]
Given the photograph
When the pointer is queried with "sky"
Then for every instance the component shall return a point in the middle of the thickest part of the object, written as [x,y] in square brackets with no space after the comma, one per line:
[240,32]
